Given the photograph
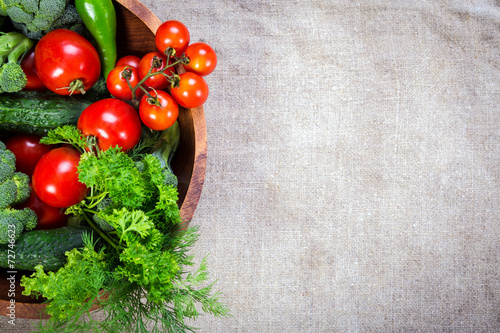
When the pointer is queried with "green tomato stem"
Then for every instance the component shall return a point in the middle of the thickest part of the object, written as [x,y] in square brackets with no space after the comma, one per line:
[171,78]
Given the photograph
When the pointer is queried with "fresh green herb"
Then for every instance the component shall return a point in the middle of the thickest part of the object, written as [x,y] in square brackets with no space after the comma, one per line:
[138,271]
[66,134]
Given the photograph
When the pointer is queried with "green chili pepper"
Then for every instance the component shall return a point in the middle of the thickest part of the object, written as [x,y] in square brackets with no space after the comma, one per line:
[99,16]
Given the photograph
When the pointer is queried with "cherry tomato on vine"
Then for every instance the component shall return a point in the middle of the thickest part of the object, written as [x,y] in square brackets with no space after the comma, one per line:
[66,62]
[117,84]
[130,60]
[159,111]
[55,179]
[172,34]
[158,61]
[192,91]
[202,59]
[113,122]
[48,217]
[28,150]
[28,67]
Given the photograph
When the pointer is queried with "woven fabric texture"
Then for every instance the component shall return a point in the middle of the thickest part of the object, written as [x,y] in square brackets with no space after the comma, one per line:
[353,170]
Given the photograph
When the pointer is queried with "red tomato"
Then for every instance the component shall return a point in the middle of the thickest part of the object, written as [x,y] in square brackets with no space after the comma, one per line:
[130,60]
[192,91]
[66,62]
[28,150]
[28,66]
[117,84]
[55,179]
[149,61]
[113,122]
[158,112]
[202,59]
[48,217]
[172,34]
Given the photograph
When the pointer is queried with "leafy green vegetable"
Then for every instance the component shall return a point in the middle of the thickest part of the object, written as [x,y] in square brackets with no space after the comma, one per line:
[138,271]
[66,134]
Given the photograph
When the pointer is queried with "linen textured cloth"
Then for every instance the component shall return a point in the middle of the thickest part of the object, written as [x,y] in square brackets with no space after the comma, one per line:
[353,169]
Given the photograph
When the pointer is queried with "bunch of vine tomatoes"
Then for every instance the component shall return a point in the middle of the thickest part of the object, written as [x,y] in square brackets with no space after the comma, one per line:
[152,82]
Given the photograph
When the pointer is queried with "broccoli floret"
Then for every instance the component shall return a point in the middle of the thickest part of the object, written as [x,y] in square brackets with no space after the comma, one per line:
[14,189]
[14,186]
[8,193]
[6,172]
[13,222]
[12,78]
[8,157]
[170,177]
[31,6]
[7,165]
[69,18]
[28,217]
[22,181]
[10,226]
[18,14]
[34,15]
[13,47]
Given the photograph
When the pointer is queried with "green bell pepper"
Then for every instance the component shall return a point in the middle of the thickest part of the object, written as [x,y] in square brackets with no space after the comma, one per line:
[99,16]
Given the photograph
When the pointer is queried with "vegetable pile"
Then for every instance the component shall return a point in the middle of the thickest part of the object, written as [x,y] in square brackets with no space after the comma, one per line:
[88,195]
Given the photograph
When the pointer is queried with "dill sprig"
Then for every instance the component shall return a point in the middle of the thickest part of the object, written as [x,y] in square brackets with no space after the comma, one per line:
[139,273]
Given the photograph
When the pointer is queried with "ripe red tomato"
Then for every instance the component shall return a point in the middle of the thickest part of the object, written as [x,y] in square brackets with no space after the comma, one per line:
[117,84]
[192,91]
[130,60]
[158,112]
[113,122]
[48,217]
[55,179]
[172,34]
[66,62]
[28,66]
[202,59]
[28,150]
[158,81]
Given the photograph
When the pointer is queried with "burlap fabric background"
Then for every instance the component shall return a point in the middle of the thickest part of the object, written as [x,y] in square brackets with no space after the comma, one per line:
[353,166]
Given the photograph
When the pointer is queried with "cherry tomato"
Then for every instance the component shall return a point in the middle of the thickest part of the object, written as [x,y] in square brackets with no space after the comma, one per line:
[151,59]
[66,62]
[28,66]
[202,59]
[158,112]
[192,91]
[117,84]
[113,122]
[55,179]
[172,34]
[130,60]
[48,217]
[28,150]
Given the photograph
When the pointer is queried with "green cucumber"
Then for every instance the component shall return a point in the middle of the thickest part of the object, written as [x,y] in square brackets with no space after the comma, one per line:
[36,113]
[42,247]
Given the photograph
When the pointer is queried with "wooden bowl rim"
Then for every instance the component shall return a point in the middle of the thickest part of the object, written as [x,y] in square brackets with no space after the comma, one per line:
[193,193]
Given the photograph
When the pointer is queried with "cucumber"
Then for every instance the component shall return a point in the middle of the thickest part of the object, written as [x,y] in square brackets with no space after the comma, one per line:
[36,113]
[44,247]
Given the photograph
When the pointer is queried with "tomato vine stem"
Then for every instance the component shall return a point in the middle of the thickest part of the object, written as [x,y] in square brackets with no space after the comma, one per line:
[156,63]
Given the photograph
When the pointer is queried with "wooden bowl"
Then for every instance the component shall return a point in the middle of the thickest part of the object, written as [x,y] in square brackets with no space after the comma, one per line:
[136,26]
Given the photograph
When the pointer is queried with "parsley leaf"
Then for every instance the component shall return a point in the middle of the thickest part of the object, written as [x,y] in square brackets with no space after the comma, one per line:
[139,270]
